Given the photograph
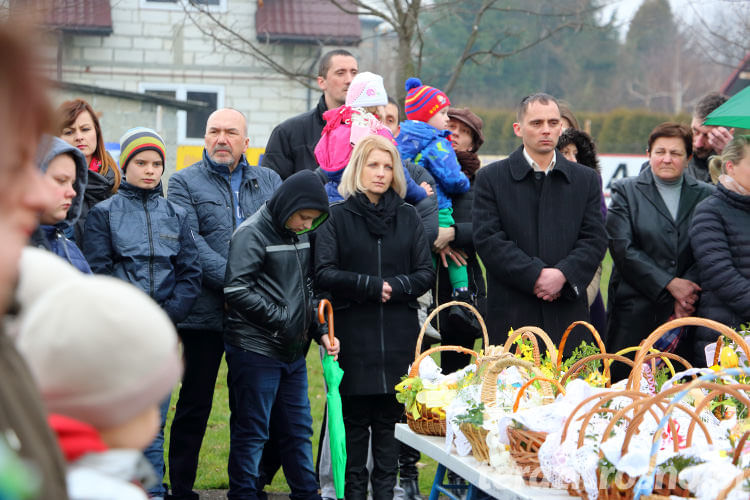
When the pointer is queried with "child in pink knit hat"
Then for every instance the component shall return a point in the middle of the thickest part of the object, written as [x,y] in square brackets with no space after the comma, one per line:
[348,124]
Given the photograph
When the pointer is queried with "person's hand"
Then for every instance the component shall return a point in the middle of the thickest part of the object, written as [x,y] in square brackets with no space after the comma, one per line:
[685,292]
[386,294]
[444,237]
[719,137]
[458,256]
[427,188]
[681,312]
[549,283]
[332,349]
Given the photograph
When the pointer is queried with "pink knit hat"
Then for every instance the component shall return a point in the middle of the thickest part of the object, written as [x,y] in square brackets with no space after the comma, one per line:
[365,90]
[102,365]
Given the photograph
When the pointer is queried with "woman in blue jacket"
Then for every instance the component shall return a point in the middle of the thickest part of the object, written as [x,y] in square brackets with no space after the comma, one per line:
[139,236]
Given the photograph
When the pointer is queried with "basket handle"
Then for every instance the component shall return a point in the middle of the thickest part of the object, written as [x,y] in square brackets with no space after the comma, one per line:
[531,381]
[488,392]
[566,334]
[414,371]
[533,330]
[649,341]
[439,308]
[738,448]
[578,365]
[323,307]
[738,479]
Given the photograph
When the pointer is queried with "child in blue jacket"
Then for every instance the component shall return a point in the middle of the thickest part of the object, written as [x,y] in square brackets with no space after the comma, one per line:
[139,236]
[423,140]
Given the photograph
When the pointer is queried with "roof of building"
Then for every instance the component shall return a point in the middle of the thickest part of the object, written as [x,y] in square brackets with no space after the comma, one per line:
[84,17]
[739,79]
[306,21]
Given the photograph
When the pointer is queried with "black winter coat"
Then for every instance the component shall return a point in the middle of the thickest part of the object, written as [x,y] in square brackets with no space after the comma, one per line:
[377,339]
[720,239]
[291,147]
[268,289]
[648,250]
[524,222]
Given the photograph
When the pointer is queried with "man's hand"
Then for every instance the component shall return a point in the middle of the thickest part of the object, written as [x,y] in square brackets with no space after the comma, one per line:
[386,294]
[427,188]
[685,293]
[444,237]
[719,137]
[681,312]
[334,349]
[458,256]
[549,283]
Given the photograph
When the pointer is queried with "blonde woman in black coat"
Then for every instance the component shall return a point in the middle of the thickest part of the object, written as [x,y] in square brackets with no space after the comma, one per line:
[720,238]
[374,260]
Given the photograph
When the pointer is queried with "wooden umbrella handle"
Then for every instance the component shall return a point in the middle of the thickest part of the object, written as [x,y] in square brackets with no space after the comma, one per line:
[322,306]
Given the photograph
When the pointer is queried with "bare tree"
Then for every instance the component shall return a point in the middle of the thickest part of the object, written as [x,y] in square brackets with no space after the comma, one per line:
[720,30]
[409,20]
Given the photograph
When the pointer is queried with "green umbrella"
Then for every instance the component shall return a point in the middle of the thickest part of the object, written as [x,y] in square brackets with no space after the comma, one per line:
[733,113]
[333,374]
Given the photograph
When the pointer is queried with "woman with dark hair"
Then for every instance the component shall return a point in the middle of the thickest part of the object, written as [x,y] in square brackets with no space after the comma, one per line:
[373,259]
[457,325]
[578,146]
[720,238]
[654,275]
[79,126]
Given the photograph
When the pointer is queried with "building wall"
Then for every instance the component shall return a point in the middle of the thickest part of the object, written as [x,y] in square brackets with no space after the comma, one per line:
[160,45]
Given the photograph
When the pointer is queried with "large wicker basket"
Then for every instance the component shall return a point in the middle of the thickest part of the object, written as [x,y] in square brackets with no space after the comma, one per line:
[525,443]
[429,422]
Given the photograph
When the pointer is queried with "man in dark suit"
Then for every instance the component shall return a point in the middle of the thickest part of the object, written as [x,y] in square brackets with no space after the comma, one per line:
[538,229]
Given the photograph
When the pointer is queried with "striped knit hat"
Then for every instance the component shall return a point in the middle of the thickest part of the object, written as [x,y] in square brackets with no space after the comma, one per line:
[139,139]
[423,101]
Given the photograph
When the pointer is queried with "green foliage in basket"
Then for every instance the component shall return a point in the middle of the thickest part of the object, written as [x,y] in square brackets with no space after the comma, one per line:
[474,415]
[678,463]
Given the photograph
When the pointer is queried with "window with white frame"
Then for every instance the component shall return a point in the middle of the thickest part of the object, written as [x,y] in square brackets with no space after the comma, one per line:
[191,125]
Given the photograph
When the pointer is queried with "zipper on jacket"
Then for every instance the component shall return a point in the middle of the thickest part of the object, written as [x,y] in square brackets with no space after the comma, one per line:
[144,200]
[231,200]
[302,289]
[61,237]
[382,326]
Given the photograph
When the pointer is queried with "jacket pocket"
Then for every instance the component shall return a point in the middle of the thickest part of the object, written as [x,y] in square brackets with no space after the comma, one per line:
[169,234]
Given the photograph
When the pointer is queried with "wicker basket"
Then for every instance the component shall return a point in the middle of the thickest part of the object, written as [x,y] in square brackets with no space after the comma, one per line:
[648,342]
[525,444]
[477,436]
[429,422]
[597,339]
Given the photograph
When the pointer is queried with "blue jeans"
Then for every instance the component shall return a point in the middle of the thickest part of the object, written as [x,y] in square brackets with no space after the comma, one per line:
[155,453]
[257,385]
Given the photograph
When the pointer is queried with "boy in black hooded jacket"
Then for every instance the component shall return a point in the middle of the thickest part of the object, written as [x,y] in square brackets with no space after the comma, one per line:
[268,322]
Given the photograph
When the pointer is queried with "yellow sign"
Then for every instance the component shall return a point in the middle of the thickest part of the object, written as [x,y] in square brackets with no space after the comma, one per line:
[187,155]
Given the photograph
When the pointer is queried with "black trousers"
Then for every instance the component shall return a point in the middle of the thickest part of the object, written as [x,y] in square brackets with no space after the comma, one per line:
[363,416]
[202,350]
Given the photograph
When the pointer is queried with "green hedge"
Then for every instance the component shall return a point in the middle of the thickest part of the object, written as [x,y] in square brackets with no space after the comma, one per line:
[623,131]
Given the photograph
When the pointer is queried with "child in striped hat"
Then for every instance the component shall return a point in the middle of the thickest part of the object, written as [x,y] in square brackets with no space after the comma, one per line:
[424,140]
[139,236]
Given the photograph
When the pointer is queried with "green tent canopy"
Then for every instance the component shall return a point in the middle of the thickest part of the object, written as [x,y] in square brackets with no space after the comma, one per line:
[733,113]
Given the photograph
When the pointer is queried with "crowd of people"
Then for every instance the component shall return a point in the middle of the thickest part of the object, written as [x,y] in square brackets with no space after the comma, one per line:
[379,215]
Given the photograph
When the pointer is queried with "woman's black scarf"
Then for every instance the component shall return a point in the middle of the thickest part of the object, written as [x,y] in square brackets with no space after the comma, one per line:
[378,217]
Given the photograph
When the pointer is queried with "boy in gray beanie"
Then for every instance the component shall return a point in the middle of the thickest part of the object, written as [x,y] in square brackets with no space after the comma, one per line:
[102,372]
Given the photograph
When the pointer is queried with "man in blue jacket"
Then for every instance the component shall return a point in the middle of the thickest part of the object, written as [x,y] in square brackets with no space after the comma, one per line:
[218,192]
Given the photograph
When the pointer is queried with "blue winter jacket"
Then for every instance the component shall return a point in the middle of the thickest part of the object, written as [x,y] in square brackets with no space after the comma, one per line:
[53,238]
[427,146]
[204,191]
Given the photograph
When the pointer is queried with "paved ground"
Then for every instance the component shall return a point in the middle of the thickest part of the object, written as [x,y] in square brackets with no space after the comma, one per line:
[222,495]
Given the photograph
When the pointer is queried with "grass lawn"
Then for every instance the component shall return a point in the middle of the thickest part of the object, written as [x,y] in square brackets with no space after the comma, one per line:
[212,467]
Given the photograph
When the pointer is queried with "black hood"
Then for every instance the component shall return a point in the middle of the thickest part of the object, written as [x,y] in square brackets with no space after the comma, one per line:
[301,191]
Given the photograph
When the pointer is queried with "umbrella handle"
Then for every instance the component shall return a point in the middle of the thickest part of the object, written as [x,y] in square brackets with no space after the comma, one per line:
[322,306]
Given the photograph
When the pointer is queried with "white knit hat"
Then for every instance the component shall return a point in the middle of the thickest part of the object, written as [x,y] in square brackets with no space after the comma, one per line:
[101,350]
[365,90]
